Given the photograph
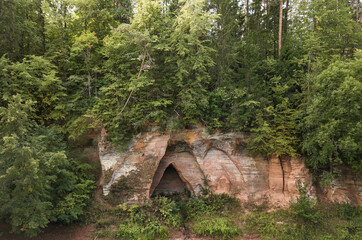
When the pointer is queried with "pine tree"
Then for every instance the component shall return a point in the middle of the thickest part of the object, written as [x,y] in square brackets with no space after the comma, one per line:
[280,28]
[193,57]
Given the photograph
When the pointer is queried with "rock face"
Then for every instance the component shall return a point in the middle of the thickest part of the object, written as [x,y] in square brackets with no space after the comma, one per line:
[346,187]
[193,160]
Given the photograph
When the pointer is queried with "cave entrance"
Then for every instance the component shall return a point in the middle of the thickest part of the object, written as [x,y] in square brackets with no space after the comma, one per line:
[170,183]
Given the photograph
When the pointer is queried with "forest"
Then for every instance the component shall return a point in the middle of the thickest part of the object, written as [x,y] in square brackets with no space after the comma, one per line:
[287,72]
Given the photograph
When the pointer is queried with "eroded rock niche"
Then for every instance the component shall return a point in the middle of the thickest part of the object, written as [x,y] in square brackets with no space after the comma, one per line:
[175,171]
[170,182]
[193,159]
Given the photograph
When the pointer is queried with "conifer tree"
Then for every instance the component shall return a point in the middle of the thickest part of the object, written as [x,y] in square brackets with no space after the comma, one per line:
[193,57]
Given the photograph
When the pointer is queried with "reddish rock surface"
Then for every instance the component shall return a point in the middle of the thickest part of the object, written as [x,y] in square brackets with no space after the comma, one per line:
[346,187]
[217,161]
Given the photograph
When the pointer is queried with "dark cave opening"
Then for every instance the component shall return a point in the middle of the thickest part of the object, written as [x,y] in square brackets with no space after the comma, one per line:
[170,183]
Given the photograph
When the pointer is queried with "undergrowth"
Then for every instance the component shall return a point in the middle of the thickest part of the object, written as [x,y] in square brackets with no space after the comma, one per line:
[307,219]
[150,221]
[286,224]
[222,217]
[218,227]
[213,216]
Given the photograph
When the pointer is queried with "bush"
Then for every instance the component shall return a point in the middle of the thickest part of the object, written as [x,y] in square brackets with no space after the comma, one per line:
[72,206]
[210,205]
[153,230]
[347,212]
[348,230]
[149,221]
[217,227]
[305,207]
[326,179]
[168,210]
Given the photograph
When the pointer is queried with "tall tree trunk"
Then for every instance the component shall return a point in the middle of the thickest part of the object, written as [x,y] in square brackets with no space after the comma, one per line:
[220,47]
[264,3]
[357,11]
[86,55]
[27,35]
[268,11]
[42,20]
[246,13]
[286,18]
[89,78]
[280,27]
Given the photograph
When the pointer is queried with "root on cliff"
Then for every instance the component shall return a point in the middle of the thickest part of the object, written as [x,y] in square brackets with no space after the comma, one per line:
[283,174]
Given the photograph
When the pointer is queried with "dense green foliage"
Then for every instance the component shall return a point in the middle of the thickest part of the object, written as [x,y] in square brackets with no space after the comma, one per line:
[333,124]
[149,221]
[67,66]
[39,183]
[180,63]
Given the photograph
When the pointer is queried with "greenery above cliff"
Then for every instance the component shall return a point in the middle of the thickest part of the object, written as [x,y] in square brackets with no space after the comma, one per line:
[178,63]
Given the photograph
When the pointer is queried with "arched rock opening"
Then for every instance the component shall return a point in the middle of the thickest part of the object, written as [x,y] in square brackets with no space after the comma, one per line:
[170,183]
[177,171]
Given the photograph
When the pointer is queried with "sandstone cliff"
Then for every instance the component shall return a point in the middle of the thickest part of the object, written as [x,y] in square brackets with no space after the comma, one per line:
[196,160]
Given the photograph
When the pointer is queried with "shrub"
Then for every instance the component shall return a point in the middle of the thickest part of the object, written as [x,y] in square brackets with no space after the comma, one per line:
[217,227]
[347,212]
[210,205]
[149,221]
[168,210]
[326,179]
[348,230]
[72,206]
[153,230]
[305,207]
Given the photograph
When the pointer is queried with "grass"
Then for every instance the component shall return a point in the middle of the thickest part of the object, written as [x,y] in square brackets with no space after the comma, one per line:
[218,227]
[286,224]
[222,217]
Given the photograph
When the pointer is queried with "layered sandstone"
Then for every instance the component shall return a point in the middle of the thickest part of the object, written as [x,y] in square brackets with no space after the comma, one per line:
[218,162]
[346,186]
